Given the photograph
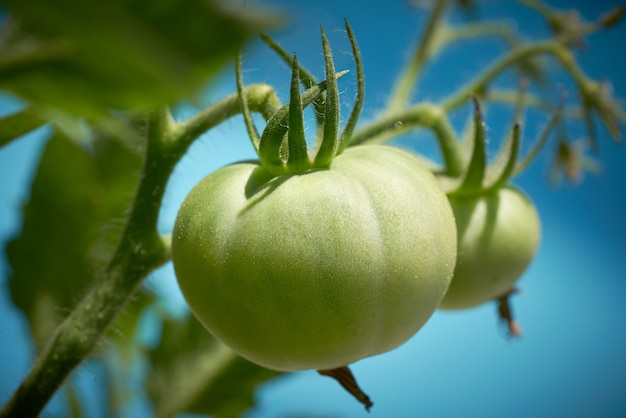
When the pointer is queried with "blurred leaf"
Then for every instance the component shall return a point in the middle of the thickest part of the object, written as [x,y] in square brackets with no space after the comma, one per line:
[124,356]
[88,56]
[118,162]
[77,201]
[571,163]
[195,373]
[49,260]
[19,123]
[124,331]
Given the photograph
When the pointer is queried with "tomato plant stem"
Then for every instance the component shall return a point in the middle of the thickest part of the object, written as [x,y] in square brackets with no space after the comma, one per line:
[261,98]
[346,379]
[405,84]
[425,115]
[140,250]
[516,56]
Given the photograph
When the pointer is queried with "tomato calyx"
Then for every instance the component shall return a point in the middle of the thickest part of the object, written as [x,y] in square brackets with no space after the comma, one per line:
[479,178]
[282,147]
[497,225]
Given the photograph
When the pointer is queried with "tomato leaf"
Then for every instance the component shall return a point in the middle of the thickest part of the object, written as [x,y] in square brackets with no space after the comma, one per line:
[17,124]
[194,373]
[72,219]
[124,354]
[88,56]
[49,259]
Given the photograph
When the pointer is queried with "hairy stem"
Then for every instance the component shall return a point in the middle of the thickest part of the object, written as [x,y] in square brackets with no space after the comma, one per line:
[261,98]
[514,56]
[425,115]
[405,84]
[139,251]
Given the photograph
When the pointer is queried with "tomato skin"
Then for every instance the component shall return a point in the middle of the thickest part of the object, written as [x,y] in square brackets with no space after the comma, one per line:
[498,235]
[318,270]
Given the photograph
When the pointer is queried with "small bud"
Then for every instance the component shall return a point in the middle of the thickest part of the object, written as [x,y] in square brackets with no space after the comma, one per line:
[612,17]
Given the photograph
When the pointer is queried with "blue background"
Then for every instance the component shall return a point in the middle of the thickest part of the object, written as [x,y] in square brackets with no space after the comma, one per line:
[571,360]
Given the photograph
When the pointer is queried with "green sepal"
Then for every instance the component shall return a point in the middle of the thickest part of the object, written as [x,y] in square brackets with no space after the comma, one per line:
[360,95]
[306,79]
[329,145]
[276,128]
[473,177]
[499,173]
[298,158]
[245,110]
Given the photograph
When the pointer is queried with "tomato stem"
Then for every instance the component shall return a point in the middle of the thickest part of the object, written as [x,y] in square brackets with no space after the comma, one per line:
[405,84]
[259,97]
[346,379]
[543,138]
[427,115]
[505,314]
[140,250]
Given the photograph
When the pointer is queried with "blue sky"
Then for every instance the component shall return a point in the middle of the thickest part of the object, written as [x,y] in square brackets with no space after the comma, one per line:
[570,361]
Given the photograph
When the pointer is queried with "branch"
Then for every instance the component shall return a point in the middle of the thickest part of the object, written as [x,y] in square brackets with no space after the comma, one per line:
[405,83]
[140,251]
[516,56]
[425,115]
[261,98]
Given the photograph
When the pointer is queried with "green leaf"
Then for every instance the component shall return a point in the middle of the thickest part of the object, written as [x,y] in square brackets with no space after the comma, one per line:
[88,56]
[74,216]
[195,373]
[49,260]
[124,353]
[18,124]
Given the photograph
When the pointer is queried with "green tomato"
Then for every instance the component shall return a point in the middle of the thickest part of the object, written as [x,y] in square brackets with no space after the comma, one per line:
[321,269]
[498,235]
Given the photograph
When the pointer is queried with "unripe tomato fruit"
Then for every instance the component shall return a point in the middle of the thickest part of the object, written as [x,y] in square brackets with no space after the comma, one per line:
[498,235]
[321,269]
